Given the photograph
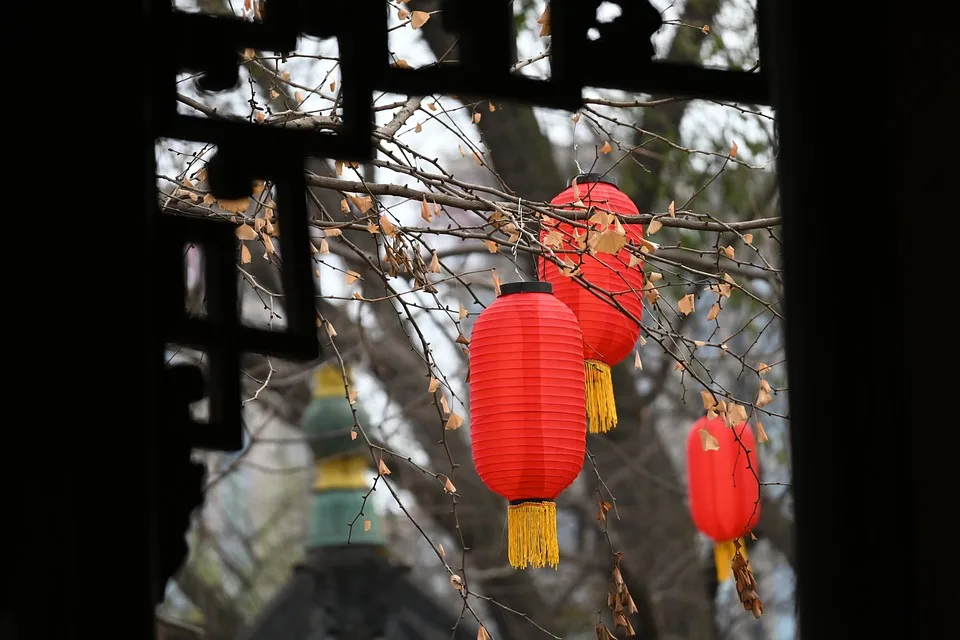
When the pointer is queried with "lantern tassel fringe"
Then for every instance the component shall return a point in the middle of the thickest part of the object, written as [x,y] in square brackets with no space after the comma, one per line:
[532,529]
[723,553]
[601,406]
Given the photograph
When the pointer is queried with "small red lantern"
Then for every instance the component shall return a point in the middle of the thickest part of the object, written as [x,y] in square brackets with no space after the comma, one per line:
[527,411]
[614,286]
[722,473]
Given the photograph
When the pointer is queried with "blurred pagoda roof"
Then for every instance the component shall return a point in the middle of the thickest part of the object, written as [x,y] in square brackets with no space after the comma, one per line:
[353,593]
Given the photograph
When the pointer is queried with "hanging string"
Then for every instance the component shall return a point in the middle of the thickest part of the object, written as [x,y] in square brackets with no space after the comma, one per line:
[516,245]
[576,148]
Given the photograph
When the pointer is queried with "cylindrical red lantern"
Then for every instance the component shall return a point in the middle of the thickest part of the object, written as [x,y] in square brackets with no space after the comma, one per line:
[722,473]
[527,407]
[612,284]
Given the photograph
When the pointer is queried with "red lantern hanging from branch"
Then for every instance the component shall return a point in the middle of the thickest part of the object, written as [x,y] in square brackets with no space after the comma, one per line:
[608,303]
[527,410]
[723,473]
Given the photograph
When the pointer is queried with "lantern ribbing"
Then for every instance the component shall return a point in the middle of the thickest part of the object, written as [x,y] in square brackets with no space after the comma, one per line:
[610,287]
[528,408]
[723,487]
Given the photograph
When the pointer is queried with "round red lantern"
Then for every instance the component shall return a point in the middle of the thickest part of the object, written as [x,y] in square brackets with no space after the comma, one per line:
[612,285]
[722,473]
[527,406]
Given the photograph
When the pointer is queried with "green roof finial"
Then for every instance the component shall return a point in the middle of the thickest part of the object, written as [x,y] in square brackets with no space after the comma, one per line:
[328,419]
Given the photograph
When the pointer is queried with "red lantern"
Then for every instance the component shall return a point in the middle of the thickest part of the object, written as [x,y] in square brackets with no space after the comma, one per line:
[722,473]
[609,335]
[527,411]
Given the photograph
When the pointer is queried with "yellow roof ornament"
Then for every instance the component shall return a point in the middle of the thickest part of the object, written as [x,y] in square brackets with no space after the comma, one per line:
[328,381]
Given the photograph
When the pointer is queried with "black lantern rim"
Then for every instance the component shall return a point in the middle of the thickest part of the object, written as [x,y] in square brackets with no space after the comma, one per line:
[592,177]
[509,288]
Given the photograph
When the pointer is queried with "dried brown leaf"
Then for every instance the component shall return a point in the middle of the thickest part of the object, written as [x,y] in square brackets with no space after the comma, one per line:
[714,312]
[544,22]
[351,277]
[362,203]
[763,398]
[748,238]
[709,400]
[245,232]
[383,468]
[238,205]
[761,434]
[636,361]
[244,254]
[425,210]
[654,226]
[610,241]
[603,633]
[735,415]
[553,239]
[418,19]
[686,304]
[448,486]
[267,245]
[646,246]
[650,292]
[708,442]
[606,148]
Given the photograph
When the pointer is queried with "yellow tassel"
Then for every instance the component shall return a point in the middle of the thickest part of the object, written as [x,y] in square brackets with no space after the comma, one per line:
[348,472]
[532,529]
[723,553]
[601,407]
